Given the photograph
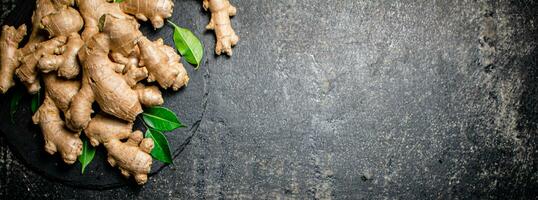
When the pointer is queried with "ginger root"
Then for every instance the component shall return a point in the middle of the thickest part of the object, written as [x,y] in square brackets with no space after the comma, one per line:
[57,137]
[9,42]
[163,64]
[93,10]
[138,163]
[110,63]
[44,8]
[9,54]
[110,89]
[221,11]
[62,22]
[154,10]
[131,157]
[103,128]
[60,91]
[79,113]
[66,63]
[149,95]
[27,71]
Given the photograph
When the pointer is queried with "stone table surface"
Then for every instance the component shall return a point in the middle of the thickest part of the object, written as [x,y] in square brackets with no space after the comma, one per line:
[351,100]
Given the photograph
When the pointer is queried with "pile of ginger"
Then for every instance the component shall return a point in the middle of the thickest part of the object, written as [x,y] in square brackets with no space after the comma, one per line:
[91,51]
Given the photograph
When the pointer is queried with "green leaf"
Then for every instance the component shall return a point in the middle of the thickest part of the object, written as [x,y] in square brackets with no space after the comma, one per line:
[161,119]
[36,102]
[14,104]
[188,45]
[161,150]
[118,1]
[101,23]
[87,153]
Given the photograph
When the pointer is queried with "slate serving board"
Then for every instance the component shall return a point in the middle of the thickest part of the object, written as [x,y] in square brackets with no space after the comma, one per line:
[26,140]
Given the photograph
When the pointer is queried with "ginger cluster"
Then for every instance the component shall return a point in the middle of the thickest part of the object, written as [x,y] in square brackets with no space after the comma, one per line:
[86,52]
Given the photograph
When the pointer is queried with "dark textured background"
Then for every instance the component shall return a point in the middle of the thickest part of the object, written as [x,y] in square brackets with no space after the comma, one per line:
[352,100]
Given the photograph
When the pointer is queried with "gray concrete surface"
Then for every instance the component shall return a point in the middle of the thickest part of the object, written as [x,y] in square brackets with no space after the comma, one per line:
[354,100]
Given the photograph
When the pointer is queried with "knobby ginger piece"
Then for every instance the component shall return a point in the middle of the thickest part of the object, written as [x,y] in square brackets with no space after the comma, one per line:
[131,157]
[163,64]
[130,61]
[149,95]
[112,92]
[123,34]
[62,22]
[221,11]
[60,91]
[154,10]
[103,128]
[27,71]
[43,8]
[58,95]
[9,42]
[93,10]
[103,84]
[135,74]
[79,113]
[66,64]
[57,137]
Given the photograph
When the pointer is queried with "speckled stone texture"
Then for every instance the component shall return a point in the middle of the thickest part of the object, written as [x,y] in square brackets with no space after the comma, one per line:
[353,100]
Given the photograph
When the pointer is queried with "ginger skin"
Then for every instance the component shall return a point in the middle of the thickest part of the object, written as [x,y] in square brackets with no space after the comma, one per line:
[46,7]
[9,42]
[57,137]
[62,22]
[79,114]
[132,73]
[131,157]
[221,11]
[102,83]
[103,128]
[49,15]
[135,74]
[60,91]
[122,34]
[66,63]
[149,95]
[27,71]
[138,163]
[112,92]
[92,10]
[154,10]
[163,64]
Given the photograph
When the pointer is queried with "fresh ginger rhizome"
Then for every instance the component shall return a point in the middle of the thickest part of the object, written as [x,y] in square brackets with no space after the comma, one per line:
[91,51]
